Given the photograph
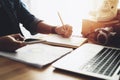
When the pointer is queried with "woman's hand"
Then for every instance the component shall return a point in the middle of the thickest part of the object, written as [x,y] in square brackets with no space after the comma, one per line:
[11,42]
[65,30]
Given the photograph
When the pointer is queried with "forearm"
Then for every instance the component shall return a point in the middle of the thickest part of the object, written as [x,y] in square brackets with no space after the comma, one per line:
[64,31]
[45,28]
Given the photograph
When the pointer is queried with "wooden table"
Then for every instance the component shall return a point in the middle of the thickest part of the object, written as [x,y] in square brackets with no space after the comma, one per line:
[13,70]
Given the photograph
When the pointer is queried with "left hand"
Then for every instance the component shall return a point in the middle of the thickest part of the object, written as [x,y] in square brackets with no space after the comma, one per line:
[11,42]
[65,30]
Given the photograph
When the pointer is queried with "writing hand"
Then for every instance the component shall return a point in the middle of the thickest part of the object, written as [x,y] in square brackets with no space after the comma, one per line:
[65,31]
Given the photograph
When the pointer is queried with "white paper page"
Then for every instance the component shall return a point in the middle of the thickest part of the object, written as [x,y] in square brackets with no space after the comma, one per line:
[37,54]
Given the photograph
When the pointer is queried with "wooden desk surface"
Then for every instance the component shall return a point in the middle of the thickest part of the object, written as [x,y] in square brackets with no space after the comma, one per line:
[12,70]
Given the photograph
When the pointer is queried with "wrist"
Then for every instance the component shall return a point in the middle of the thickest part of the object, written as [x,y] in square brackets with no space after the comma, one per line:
[53,30]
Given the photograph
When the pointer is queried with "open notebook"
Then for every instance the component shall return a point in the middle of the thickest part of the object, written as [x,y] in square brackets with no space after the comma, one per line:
[57,40]
[38,55]
[93,60]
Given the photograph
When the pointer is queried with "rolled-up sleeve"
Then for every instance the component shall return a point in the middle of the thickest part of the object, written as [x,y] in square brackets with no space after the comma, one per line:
[28,20]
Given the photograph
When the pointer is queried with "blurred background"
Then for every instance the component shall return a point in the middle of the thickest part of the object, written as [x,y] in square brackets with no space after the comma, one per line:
[72,12]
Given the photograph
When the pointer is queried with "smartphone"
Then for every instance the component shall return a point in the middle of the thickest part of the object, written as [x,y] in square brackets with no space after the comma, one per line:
[32,41]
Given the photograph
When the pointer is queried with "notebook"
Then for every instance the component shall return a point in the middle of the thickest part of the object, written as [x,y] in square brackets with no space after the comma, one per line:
[57,40]
[92,60]
[37,55]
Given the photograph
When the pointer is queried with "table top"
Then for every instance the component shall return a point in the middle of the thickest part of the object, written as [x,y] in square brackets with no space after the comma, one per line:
[13,70]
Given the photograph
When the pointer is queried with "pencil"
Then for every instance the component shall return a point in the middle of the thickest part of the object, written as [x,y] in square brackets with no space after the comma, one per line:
[60,18]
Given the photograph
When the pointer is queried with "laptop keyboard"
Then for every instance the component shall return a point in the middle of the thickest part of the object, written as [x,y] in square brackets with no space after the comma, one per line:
[105,62]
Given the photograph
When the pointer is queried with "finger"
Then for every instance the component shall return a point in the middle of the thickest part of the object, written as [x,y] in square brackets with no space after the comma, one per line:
[18,37]
[68,31]
[68,27]
[18,44]
[62,30]
[64,27]
[67,35]
[13,40]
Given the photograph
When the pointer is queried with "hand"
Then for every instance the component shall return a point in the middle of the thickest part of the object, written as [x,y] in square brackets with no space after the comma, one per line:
[65,30]
[11,42]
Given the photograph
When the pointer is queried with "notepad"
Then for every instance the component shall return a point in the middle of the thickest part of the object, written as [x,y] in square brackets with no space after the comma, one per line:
[57,40]
[38,55]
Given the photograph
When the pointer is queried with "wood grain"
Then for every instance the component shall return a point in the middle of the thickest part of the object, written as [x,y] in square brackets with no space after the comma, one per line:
[13,70]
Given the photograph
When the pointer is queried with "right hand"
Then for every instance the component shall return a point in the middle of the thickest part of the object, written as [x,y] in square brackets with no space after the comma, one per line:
[64,31]
[11,42]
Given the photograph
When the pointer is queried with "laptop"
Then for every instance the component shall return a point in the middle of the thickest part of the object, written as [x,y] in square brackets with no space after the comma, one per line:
[92,60]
